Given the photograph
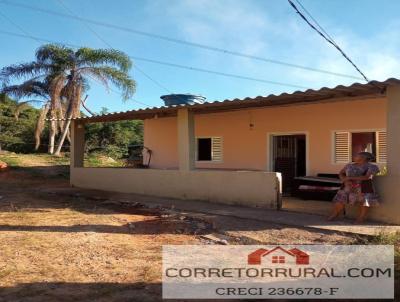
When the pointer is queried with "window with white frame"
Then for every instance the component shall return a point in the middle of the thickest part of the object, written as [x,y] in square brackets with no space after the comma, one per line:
[209,149]
[349,143]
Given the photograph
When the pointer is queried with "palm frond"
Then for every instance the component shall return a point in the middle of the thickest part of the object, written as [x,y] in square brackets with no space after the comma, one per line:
[92,74]
[55,54]
[118,78]
[24,70]
[30,88]
[97,57]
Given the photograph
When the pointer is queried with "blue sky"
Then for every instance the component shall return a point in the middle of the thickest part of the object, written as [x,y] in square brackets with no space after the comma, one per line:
[366,29]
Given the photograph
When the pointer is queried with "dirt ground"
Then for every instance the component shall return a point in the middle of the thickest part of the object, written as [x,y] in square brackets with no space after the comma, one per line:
[57,247]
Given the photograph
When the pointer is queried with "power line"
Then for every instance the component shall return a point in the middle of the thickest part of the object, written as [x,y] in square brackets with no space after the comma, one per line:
[315,21]
[174,40]
[218,73]
[27,34]
[109,45]
[170,64]
[19,27]
[327,39]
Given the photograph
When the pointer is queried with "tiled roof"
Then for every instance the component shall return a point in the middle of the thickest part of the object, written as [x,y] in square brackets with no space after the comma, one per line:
[324,94]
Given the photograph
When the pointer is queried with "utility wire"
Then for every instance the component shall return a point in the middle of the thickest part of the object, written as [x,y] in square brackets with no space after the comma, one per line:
[219,73]
[167,63]
[328,40]
[27,34]
[19,27]
[109,45]
[316,22]
[174,40]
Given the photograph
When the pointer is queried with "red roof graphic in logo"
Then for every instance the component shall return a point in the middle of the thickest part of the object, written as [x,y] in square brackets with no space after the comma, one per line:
[299,256]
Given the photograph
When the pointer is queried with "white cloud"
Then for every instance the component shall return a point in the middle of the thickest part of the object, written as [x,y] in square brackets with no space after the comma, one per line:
[246,27]
[376,55]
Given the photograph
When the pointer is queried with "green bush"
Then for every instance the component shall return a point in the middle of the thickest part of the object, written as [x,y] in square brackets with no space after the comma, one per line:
[17,134]
[112,139]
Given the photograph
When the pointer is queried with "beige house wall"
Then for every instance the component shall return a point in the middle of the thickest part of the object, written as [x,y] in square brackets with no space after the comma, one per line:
[248,188]
[246,147]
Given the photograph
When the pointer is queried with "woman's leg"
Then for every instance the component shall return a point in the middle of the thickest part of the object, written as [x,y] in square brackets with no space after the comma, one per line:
[337,210]
[362,214]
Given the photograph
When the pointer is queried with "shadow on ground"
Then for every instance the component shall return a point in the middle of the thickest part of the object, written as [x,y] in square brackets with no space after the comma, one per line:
[59,291]
[27,191]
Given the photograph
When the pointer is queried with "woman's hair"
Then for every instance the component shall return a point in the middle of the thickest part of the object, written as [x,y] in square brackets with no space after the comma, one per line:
[367,155]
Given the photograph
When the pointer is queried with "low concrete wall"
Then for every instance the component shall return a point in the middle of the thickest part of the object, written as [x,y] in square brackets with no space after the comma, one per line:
[247,188]
[388,188]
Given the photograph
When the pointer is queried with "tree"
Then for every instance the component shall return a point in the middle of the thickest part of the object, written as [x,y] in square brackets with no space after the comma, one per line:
[66,73]
[50,72]
[104,65]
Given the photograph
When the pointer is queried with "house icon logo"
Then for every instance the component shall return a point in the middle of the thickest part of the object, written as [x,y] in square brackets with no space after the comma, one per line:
[279,255]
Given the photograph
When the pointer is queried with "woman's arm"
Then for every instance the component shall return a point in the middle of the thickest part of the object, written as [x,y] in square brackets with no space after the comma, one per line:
[342,175]
[364,177]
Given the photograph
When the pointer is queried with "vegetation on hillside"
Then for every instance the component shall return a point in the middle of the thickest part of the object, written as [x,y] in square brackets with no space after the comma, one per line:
[113,139]
[102,139]
[17,129]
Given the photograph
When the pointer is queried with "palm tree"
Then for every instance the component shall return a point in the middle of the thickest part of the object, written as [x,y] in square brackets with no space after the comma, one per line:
[105,66]
[50,72]
[66,73]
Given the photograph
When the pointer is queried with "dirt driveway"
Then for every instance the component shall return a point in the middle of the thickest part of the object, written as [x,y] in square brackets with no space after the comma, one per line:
[56,247]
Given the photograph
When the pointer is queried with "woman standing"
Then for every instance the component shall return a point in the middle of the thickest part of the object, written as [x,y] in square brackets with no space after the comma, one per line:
[357,188]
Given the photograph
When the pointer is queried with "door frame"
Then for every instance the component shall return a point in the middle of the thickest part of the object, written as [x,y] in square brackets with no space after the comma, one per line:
[270,136]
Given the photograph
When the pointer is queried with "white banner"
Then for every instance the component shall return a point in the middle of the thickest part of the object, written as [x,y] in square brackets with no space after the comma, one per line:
[278,272]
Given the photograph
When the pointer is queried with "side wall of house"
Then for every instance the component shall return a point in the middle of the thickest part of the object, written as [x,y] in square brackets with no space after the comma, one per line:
[246,147]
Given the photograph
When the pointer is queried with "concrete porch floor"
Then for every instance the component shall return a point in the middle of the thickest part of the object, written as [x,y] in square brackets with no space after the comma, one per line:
[289,216]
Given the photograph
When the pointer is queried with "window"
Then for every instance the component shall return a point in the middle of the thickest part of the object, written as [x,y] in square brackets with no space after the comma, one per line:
[278,259]
[209,149]
[348,144]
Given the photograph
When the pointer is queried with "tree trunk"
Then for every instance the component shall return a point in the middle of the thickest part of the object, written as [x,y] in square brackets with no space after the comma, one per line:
[74,111]
[52,135]
[62,138]
[55,103]
[40,125]
[53,128]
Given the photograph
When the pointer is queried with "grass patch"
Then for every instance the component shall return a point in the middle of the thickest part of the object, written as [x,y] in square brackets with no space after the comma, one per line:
[30,160]
[35,160]
[11,161]
[97,160]
[38,165]
[385,238]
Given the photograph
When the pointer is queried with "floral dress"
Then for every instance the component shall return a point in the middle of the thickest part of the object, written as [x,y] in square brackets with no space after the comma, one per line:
[351,192]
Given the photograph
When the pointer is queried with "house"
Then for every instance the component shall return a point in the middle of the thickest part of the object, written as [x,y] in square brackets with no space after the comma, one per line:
[243,151]
[278,255]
